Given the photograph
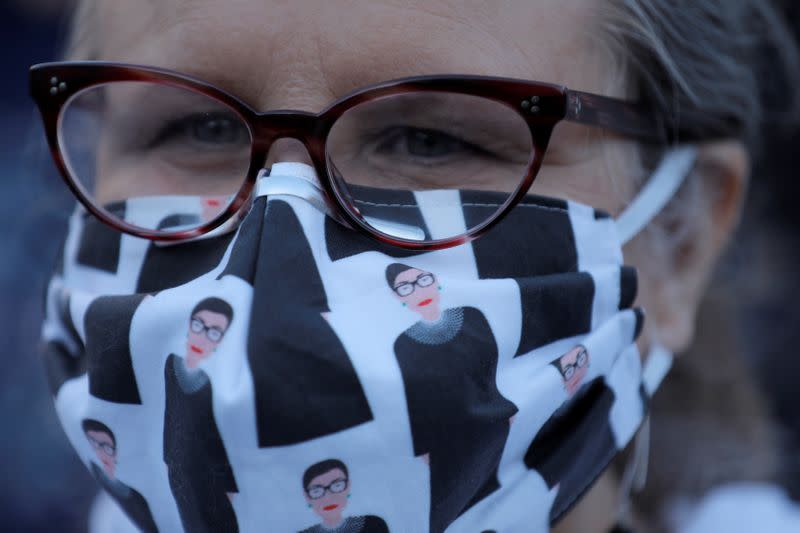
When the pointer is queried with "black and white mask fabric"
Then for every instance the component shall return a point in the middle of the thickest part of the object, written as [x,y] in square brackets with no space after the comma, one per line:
[297,376]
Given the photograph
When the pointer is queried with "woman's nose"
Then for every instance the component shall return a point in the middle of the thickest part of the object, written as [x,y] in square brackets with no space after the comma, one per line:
[288,150]
[292,173]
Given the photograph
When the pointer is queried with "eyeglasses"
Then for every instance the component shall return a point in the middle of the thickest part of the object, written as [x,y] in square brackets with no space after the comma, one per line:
[315,492]
[122,133]
[213,333]
[107,448]
[408,287]
[580,361]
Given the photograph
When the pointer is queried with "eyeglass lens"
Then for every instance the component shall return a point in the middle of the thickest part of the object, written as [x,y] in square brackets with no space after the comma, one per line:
[155,144]
[405,154]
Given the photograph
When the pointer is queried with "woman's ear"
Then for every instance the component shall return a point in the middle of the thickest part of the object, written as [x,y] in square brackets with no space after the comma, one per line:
[692,233]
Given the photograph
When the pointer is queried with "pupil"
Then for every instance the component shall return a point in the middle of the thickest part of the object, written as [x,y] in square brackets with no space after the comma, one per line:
[218,130]
[428,144]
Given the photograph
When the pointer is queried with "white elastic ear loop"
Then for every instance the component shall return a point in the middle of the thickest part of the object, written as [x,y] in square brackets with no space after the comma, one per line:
[634,477]
[658,362]
[662,186]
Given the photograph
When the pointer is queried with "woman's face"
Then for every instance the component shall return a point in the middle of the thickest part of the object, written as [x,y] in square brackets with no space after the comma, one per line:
[302,54]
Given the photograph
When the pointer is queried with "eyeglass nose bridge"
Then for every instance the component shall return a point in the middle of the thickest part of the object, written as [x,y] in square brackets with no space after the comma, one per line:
[306,127]
[309,129]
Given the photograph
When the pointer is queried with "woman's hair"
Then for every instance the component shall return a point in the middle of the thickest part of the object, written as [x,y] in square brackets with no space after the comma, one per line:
[707,56]
[704,67]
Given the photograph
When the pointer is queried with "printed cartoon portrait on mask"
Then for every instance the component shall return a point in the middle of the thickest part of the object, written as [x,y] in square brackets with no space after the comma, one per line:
[573,366]
[199,472]
[104,445]
[327,492]
[461,436]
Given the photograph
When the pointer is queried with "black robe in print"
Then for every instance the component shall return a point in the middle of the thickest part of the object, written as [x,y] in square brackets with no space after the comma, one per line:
[200,475]
[353,524]
[456,412]
[132,503]
[305,386]
[108,357]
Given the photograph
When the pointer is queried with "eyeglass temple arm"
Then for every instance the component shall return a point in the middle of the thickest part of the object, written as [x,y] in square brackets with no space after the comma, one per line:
[626,118]
[647,125]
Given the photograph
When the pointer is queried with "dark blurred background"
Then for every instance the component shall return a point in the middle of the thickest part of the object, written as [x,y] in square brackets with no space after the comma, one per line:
[43,486]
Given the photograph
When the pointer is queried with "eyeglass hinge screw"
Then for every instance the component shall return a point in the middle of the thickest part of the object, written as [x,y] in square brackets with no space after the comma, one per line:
[528,105]
[56,86]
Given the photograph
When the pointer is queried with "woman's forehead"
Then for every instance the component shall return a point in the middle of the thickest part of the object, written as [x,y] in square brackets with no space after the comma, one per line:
[302,53]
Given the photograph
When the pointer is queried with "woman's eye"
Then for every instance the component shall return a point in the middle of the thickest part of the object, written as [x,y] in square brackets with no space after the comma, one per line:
[217,130]
[423,144]
[207,129]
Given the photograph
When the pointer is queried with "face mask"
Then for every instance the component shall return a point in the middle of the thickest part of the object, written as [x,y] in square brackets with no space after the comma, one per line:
[298,376]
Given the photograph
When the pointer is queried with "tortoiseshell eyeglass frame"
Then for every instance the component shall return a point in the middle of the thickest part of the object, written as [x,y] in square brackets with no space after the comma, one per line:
[541,105]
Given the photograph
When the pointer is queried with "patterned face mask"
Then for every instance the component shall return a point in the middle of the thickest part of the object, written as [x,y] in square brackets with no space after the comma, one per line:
[296,376]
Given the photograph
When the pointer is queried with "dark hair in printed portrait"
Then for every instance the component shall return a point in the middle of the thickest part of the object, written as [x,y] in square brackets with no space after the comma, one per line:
[323,467]
[394,270]
[89,424]
[215,305]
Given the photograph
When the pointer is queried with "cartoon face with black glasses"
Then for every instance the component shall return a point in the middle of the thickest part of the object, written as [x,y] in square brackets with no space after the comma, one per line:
[327,489]
[198,469]
[103,443]
[417,289]
[450,349]
[208,323]
[573,366]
